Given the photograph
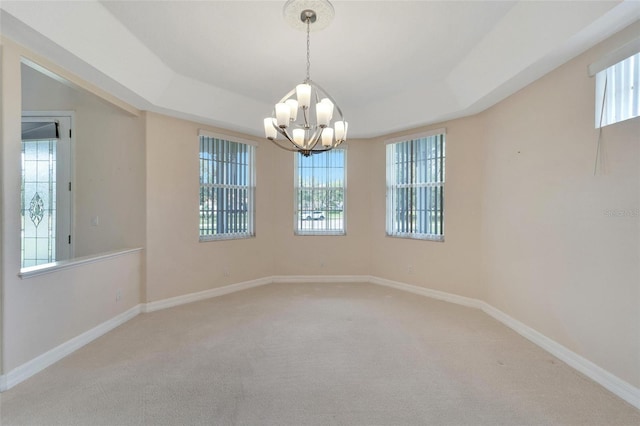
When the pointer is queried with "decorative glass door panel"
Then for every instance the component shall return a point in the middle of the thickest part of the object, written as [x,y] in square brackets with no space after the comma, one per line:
[45,195]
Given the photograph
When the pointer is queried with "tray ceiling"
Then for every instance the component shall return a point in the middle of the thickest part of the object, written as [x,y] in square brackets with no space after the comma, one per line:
[391,65]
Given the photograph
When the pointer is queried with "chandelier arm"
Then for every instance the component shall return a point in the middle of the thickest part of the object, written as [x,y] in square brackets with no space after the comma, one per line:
[319,151]
[313,139]
[286,148]
[284,133]
[335,105]
[305,114]
[296,148]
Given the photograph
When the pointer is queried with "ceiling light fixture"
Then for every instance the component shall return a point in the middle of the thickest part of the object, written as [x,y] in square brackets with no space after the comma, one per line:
[302,133]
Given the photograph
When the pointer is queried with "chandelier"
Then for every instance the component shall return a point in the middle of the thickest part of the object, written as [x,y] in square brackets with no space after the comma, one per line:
[310,122]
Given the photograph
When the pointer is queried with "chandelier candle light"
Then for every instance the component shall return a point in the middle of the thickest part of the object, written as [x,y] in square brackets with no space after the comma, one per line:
[292,116]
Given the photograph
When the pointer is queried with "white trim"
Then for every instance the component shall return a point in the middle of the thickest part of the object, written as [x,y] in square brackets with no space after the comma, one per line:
[318,279]
[614,384]
[245,285]
[209,134]
[417,236]
[423,291]
[425,134]
[319,233]
[28,369]
[201,295]
[615,56]
[223,237]
[49,113]
[617,386]
[47,268]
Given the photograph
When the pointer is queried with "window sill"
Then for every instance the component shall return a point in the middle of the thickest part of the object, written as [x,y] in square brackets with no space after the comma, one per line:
[48,268]
[434,238]
[320,234]
[206,239]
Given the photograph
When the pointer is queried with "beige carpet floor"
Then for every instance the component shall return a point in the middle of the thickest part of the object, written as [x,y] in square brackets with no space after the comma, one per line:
[305,354]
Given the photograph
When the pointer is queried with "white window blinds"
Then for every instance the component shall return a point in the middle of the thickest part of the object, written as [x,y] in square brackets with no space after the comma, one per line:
[227,189]
[618,92]
[415,187]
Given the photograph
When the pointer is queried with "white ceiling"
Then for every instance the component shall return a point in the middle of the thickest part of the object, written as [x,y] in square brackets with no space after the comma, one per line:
[390,65]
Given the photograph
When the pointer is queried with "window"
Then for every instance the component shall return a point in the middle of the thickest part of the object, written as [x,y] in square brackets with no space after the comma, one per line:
[320,185]
[618,92]
[227,188]
[415,187]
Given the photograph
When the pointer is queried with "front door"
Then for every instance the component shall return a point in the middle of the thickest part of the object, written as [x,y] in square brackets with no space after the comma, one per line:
[46,190]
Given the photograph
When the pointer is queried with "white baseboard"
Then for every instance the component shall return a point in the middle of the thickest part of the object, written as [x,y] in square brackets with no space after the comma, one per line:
[614,384]
[312,279]
[202,295]
[232,288]
[28,369]
[619,387]
[422,291]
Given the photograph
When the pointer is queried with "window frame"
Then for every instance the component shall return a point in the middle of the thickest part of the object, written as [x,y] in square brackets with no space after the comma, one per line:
[392,186]
[296,191]
[250,186]
[618,91]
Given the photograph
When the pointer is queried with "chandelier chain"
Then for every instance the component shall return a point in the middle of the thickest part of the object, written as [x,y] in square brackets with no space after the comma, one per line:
[308,49]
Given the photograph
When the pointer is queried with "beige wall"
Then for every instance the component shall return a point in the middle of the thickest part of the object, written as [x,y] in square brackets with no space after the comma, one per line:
[108,154]
[552,255]
[177,263]
[3,120]
[323,255]
[42,312]
[10,183]
[452,265]
[47,310]
[528,226]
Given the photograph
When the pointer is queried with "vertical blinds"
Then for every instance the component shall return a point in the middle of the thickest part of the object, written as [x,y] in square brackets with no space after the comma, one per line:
[415,187]
[321,193]
[618,92]
[227,188]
